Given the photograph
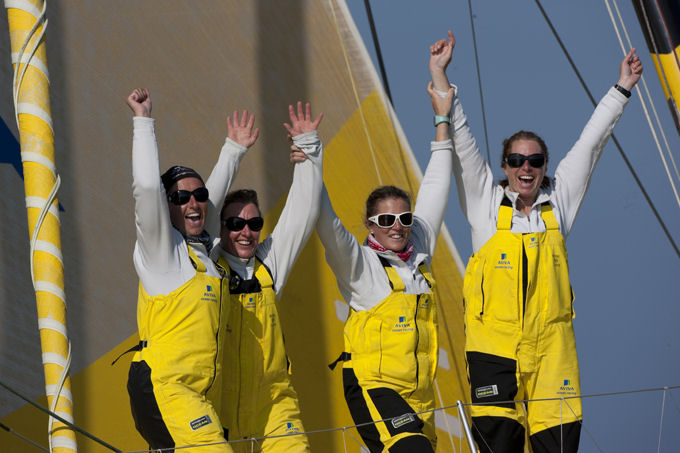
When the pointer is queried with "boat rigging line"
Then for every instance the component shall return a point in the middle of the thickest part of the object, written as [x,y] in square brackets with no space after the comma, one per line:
[616,142]
[648,96]
[52,414]
[355,91]
[22,437]
[344,429]
[378,51]
[479,82]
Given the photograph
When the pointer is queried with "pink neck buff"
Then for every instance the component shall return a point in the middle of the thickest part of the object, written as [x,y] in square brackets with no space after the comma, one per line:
[377,246]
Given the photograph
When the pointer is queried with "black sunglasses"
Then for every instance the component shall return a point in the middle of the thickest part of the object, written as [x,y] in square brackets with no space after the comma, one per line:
[181,197]
[239,223]
[517,160]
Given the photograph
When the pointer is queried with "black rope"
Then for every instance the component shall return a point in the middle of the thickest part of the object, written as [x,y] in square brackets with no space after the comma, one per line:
[61,419]
[24,438]
[479,82]
[378,52]
[616,142]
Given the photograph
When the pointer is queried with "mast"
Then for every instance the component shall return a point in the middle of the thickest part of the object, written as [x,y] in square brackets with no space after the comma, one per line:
[27,24]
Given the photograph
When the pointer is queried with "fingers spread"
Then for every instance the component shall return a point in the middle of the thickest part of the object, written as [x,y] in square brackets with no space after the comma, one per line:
[317,120]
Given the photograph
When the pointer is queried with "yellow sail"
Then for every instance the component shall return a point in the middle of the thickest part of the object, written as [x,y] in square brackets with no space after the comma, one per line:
[201,60]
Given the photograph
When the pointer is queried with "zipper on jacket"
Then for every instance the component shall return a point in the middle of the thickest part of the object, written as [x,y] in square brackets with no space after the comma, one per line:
[217,334]
[415,350]
[239,372]
[525,283]
[481,287]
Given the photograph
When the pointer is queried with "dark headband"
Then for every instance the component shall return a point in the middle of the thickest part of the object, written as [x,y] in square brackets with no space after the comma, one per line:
[176,173]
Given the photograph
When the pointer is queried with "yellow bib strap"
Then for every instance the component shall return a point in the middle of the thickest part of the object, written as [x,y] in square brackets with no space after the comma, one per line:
[262,274]
[427,274]
[222,265]
[548,217]
[395,281]
[504,221]
[198,264]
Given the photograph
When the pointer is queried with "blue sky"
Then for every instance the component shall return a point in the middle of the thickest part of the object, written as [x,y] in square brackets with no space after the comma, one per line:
[623,269]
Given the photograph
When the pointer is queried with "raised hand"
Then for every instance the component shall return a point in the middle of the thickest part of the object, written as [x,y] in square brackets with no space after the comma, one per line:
[440,53]
[139,102]
[630,70]
[241,131]
[301,122]
[440,57]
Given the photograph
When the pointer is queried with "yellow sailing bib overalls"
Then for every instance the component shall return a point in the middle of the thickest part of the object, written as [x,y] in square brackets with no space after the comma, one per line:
[175,377]
[520,340]
[258,397]
[390,360]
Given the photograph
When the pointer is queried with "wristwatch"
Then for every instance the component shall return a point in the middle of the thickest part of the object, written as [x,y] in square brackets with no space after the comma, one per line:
[622,90]
[438,119]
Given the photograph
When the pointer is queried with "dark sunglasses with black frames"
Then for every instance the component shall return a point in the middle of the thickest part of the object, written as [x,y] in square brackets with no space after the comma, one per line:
[182,197]
[239,223]
[517,160]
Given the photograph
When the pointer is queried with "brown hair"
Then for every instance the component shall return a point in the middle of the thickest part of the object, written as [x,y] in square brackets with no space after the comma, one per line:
[244,196]
[381,193]
[524,135]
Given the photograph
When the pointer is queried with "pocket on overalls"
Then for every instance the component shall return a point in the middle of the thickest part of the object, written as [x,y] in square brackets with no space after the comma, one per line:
[499,284]
[399,343]
[473,292]
[365,347]
[559,292]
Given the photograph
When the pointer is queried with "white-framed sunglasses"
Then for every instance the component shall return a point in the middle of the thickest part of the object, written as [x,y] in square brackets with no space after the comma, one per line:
[387,220]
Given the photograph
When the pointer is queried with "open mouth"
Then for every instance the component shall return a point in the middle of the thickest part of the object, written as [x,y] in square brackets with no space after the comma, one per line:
[193,218]
[526,180]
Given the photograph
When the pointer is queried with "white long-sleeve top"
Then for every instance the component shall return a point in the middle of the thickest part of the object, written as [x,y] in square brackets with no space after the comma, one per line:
[480,197]
[160,256]
[280,250]
[361,278]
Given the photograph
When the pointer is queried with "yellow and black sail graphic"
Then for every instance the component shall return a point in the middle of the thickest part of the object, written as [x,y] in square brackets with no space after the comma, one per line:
[660,22]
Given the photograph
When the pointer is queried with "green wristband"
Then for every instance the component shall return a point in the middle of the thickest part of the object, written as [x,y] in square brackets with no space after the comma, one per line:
[438,119]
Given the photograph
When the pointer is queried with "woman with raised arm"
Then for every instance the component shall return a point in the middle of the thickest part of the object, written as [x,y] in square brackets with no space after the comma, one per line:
[391,347]
[518,297]
[175,378]
[259,399]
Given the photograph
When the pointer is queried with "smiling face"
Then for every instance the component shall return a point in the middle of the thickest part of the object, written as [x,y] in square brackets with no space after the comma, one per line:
[188,218]
[525,180]
[396,237]
[241,243]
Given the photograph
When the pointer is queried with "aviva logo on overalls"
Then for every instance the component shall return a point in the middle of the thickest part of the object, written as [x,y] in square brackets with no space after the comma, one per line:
[504,262]
[290,428]
[402,325]
[532,242]
[250,303]
[566,388]
[209,295]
